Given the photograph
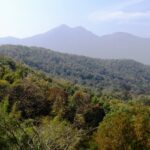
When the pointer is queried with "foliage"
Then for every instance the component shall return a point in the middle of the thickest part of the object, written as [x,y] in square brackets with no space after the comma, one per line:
[23,135]
[121,78]
[126,128]
[4,88]
[59,135]
[42,112]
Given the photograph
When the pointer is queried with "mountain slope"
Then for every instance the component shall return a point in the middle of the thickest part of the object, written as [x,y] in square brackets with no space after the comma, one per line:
[65,39]
[80,41]
[107,75]
[10,40]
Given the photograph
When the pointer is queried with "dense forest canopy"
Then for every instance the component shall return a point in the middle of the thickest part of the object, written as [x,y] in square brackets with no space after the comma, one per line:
[41,112]
[111,76]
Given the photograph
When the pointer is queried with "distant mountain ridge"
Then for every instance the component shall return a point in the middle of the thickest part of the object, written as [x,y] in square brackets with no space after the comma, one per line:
[80,41]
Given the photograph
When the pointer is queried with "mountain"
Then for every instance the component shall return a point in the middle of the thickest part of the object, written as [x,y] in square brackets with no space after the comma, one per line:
[80,41]
[10,40]
[125,76]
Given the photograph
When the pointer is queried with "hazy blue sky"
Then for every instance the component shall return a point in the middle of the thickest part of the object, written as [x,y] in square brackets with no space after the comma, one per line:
[23,18]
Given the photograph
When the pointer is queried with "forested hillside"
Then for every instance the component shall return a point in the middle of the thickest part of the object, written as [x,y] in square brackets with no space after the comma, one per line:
[38,112]
[34,97]
[111,76]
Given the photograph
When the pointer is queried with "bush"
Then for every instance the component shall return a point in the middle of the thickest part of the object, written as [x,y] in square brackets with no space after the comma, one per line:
[125,130]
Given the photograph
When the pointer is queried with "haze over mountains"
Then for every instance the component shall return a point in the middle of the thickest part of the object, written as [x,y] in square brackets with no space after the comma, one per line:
[80,41]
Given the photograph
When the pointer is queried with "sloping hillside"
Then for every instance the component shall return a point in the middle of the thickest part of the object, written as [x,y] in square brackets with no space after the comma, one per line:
[34,107]
[107,75]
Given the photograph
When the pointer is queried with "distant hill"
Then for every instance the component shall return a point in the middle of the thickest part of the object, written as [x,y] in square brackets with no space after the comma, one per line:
[80,41]
[101,74]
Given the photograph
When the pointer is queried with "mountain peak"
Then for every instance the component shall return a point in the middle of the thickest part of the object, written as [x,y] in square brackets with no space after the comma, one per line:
[60,28]
[120,35]
[65,29]
[63,26]
[79,28]
[123,34]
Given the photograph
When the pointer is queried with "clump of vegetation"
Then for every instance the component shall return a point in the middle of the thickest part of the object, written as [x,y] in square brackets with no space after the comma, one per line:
[126,127]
